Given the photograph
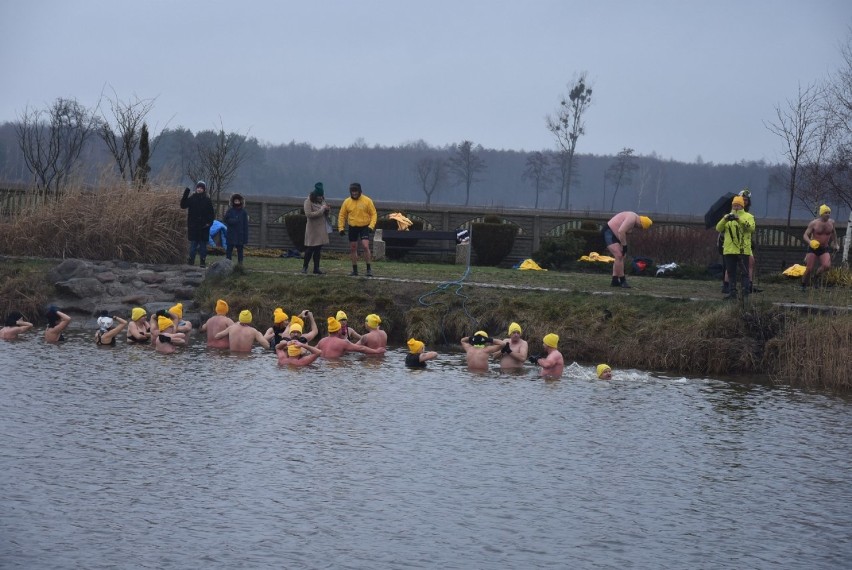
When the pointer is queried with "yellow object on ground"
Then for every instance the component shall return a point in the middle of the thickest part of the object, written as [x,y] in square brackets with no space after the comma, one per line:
[402,223]
[594,256]
[794,271]
[530,264]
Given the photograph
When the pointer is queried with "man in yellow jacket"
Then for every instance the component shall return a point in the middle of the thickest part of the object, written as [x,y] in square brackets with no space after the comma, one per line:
[737,227]
[360,213]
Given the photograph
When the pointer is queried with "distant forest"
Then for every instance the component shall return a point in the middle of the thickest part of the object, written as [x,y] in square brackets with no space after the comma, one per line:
[650,185]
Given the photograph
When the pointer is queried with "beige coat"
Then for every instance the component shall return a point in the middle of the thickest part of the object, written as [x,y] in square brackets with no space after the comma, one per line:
[316,232]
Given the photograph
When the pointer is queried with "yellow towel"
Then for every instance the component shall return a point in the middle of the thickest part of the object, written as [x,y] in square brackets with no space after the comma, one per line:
[402,223]
[794,271]
[531,265]
[594,256]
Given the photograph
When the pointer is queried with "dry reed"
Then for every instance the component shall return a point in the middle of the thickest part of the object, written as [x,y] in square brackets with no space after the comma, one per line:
[118,223]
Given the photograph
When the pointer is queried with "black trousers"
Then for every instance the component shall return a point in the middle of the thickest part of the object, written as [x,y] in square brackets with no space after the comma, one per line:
[735,263]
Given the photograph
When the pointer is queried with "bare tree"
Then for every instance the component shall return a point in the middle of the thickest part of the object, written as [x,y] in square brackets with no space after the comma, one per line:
[432,174]
[797,124]
[538,171]
[51,141]
[464,164]
[839,109]
[122,132]
[218,157]
[567,127]
[621,171]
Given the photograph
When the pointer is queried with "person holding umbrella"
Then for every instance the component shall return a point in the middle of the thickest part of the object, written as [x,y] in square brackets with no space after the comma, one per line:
[737,228]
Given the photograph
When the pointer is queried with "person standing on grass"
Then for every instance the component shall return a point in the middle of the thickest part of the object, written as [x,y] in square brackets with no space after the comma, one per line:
[360,213]
[737,227]
[237,221]
[615,233]
[199,218]
[821,236]
[317,228]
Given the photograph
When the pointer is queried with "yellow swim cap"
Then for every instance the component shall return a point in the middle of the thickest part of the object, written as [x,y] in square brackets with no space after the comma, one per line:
[177,310]
[294,349]
[279,316]
[245,316]
[551,340]
[373,320]
[295,327]
[222,307]
[415,346]
[603,368]
[514,328]
[646,222]
[164,322]
[815,244]
[823,210]
[333,325]
[341,316]
[137,313]
[297,321]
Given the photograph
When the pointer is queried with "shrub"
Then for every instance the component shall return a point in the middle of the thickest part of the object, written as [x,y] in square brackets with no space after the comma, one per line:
[492,241]
[296,225]
[559,252]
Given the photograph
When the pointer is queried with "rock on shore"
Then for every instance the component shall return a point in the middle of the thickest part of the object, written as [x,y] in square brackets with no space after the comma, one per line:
[85,288]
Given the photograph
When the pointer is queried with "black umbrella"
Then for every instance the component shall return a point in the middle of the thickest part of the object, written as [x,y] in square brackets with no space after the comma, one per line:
[719,208]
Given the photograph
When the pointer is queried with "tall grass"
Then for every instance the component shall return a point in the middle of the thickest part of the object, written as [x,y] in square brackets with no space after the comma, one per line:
[113,223]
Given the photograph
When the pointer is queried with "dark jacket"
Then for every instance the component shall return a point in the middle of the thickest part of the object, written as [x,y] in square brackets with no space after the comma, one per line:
[199,215]
[237,221]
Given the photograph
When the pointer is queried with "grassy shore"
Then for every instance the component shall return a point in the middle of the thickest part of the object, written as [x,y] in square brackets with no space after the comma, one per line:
[661,324]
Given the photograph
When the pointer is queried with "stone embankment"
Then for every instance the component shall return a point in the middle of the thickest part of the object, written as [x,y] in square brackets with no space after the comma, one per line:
[85,288]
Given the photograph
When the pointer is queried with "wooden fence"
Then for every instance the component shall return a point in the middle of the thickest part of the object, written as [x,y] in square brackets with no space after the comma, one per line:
[267,228]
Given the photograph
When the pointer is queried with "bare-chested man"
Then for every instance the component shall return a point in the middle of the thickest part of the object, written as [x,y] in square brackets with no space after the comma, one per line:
[514,353]
[478,349]
[14,325]
[56,323]
[821,237]
[374,337]
[216,324]
[241,335]
[552,363]
[336,345]
[615,237]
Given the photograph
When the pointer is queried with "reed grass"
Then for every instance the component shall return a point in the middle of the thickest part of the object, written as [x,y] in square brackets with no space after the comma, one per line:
[115,223]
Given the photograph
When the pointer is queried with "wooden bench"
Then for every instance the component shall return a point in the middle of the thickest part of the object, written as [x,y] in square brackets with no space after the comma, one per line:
[436,243]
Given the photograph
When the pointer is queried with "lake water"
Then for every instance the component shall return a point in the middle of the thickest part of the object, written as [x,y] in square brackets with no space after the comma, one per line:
[123,458]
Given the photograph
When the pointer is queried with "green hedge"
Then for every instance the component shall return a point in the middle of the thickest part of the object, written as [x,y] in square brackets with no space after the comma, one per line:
[492,241]
[296,224]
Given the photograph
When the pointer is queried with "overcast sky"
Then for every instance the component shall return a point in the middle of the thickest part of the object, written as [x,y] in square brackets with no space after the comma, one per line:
[680,78]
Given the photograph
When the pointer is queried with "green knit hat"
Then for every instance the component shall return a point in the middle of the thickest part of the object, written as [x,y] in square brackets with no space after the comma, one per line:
[318,189]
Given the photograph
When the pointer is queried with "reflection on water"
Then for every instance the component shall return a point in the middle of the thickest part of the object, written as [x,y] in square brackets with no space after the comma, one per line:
[125,458]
